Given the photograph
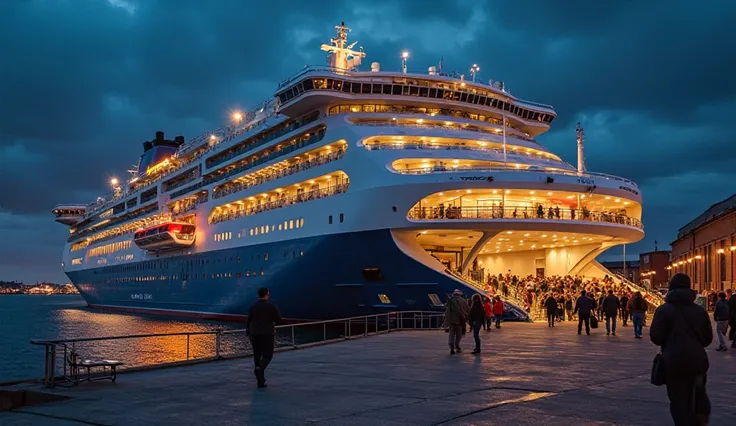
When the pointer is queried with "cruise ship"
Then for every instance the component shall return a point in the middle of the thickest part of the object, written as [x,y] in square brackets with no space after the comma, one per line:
[349,192]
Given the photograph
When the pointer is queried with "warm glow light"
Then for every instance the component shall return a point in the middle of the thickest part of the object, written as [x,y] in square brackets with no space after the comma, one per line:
[448,123]
[114,182]
[698,257]
[549,193]
[526,235]
[617,200]
[531,192]
[608,198]
[508,191]
[509,232]
[626,203]
[544,235]
[720,251]
[441,194]
[468,191]
[420,121]
[237,116]
[495,191]
[213,137]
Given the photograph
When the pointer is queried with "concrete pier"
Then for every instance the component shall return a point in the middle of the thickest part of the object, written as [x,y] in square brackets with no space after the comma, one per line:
[527,374]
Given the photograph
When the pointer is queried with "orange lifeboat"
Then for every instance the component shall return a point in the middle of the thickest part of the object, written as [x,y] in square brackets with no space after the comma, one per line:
[165,236]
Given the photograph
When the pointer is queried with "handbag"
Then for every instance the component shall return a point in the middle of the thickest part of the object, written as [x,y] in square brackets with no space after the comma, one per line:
[593,322]
[657,377]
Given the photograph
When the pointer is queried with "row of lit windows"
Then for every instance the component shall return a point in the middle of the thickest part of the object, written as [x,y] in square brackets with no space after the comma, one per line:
[77,261]
[124,258]
[287,225]
[109,248]
[79,246]
[462,94]
[223,236]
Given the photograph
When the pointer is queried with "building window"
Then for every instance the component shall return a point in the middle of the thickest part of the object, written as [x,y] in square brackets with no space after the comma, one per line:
[706,266]
[722,263]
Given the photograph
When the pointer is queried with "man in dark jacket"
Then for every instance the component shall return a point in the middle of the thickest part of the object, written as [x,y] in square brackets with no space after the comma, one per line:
[456,314]
[611,305]
[683,330]
[624,308]
[584,306]
[638,308]
[731,297]
[551,305]
[263,317]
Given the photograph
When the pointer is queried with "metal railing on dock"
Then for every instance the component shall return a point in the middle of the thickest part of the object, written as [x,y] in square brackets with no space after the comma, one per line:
[140,351]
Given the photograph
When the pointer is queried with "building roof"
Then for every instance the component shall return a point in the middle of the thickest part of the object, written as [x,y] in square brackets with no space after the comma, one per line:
[718,209]
[619,264]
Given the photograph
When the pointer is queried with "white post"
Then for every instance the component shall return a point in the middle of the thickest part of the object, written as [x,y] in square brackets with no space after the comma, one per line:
[504,139]
[625,276]
[580,133]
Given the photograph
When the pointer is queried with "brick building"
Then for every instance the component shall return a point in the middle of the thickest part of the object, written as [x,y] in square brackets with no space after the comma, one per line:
[617,267]
[705,248]
[653,270]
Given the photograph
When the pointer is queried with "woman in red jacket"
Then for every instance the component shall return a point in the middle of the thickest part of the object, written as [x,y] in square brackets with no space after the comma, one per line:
[489,313]
[498,311]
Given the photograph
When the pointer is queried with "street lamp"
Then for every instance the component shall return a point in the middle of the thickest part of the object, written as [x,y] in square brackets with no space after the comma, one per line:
[237,116]
[474,69]
[404,57]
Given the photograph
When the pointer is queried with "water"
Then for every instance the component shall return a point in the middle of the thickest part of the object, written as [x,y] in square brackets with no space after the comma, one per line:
[27,317]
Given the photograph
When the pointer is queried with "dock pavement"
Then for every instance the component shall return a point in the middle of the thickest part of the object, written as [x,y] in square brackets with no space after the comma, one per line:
[527,374]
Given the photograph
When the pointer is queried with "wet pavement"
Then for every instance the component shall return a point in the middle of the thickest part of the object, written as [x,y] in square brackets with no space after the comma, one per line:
[527,374]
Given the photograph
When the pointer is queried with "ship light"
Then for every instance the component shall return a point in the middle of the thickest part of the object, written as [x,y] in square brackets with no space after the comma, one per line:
[448,123]
[544,235]
[442,193]
[509,232]
[626,202]
[237,116]
[114,182]
[420,120]
[617,200]
[468,191]
[531,192]
[526,235]
[495,191]
[508,191]
[608,198]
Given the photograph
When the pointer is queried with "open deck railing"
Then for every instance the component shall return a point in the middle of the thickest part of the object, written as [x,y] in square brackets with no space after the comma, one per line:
[470,213]
[140,351]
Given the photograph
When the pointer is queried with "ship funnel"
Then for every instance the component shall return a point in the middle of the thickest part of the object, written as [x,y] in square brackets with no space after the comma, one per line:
[580,136]
[147,145]
[433,70]
[375,67]
[159,136]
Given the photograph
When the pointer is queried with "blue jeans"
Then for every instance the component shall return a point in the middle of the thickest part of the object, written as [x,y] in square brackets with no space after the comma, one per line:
[610,320]
[476,329]
[638,319]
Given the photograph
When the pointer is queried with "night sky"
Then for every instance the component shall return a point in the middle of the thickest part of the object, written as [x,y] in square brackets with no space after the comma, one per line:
[84,82]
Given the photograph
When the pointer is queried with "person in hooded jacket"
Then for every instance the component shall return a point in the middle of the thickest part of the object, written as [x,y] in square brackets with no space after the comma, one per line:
[683,330]
[477,318]
[721,316]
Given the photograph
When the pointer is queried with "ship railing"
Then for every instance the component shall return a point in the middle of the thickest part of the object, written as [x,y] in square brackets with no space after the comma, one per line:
[520,213]
[424,145]
[513,133]
[284,201]
[145,351]
[654,298]
[233,187]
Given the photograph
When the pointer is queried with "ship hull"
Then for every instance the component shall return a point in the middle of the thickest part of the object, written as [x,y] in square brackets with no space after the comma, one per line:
[315,278]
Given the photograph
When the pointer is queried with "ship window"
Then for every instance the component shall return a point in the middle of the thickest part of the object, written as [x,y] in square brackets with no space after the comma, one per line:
[342,217]
[291,224]
[372,274]
[356,88]
[405,90]
[301,252]
[434,299]
[377,88]
[366,88]
[330,84]
[386,89]
[265,256]
[330,220]
[301,222]
[414,91]
[369,108]
[355,108]
[346,86]
[308,85]
[384,299]
[396,90]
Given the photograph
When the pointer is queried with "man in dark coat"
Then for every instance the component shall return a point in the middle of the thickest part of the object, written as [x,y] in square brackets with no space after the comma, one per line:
[263,317]
[683,330]
[732,313]
[551,305]
[610,307]
[624,309]
[584,306]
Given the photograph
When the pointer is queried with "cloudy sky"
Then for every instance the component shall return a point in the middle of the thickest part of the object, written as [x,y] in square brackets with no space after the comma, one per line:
[83,82]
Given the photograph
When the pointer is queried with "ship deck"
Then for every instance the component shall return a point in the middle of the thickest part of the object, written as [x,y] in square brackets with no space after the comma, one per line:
[527,374]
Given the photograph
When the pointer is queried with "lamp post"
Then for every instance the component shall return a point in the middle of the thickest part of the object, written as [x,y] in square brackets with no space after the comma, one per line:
[473,70]
[404,57]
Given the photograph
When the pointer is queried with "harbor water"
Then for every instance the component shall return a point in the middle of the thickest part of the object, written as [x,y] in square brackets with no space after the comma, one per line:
[27,317]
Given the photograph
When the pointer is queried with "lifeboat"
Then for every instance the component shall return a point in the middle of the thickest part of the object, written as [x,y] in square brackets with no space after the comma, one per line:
[165,236]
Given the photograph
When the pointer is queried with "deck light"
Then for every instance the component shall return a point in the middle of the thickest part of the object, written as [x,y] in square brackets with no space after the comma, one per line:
[114,182]
[237,116]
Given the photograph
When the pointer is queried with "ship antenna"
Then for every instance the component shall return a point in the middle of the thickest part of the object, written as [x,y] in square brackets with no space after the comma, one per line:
[580,134]
[342,57]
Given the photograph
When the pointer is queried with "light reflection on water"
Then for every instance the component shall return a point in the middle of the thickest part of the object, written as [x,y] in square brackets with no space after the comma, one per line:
[28,317]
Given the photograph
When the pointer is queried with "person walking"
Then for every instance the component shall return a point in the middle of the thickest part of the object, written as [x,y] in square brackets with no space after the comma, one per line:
[732,316]
[611,305]
[638,308]
[683,330]
[624,309]
[260,327]
[498,311]
[488,308]
[551,305]
[477,318]
[455,317]
[584,307]
[721,317]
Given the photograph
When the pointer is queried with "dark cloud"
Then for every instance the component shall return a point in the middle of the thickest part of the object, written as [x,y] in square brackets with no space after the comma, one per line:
[83,83]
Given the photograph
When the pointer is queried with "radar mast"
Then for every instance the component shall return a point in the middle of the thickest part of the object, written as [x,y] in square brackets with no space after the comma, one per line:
[341,55]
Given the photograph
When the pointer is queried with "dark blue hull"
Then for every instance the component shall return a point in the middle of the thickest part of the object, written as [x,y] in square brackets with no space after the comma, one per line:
[334,276]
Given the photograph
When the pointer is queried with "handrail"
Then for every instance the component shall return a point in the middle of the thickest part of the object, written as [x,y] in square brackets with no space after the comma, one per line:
[522,212]
[341,329]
